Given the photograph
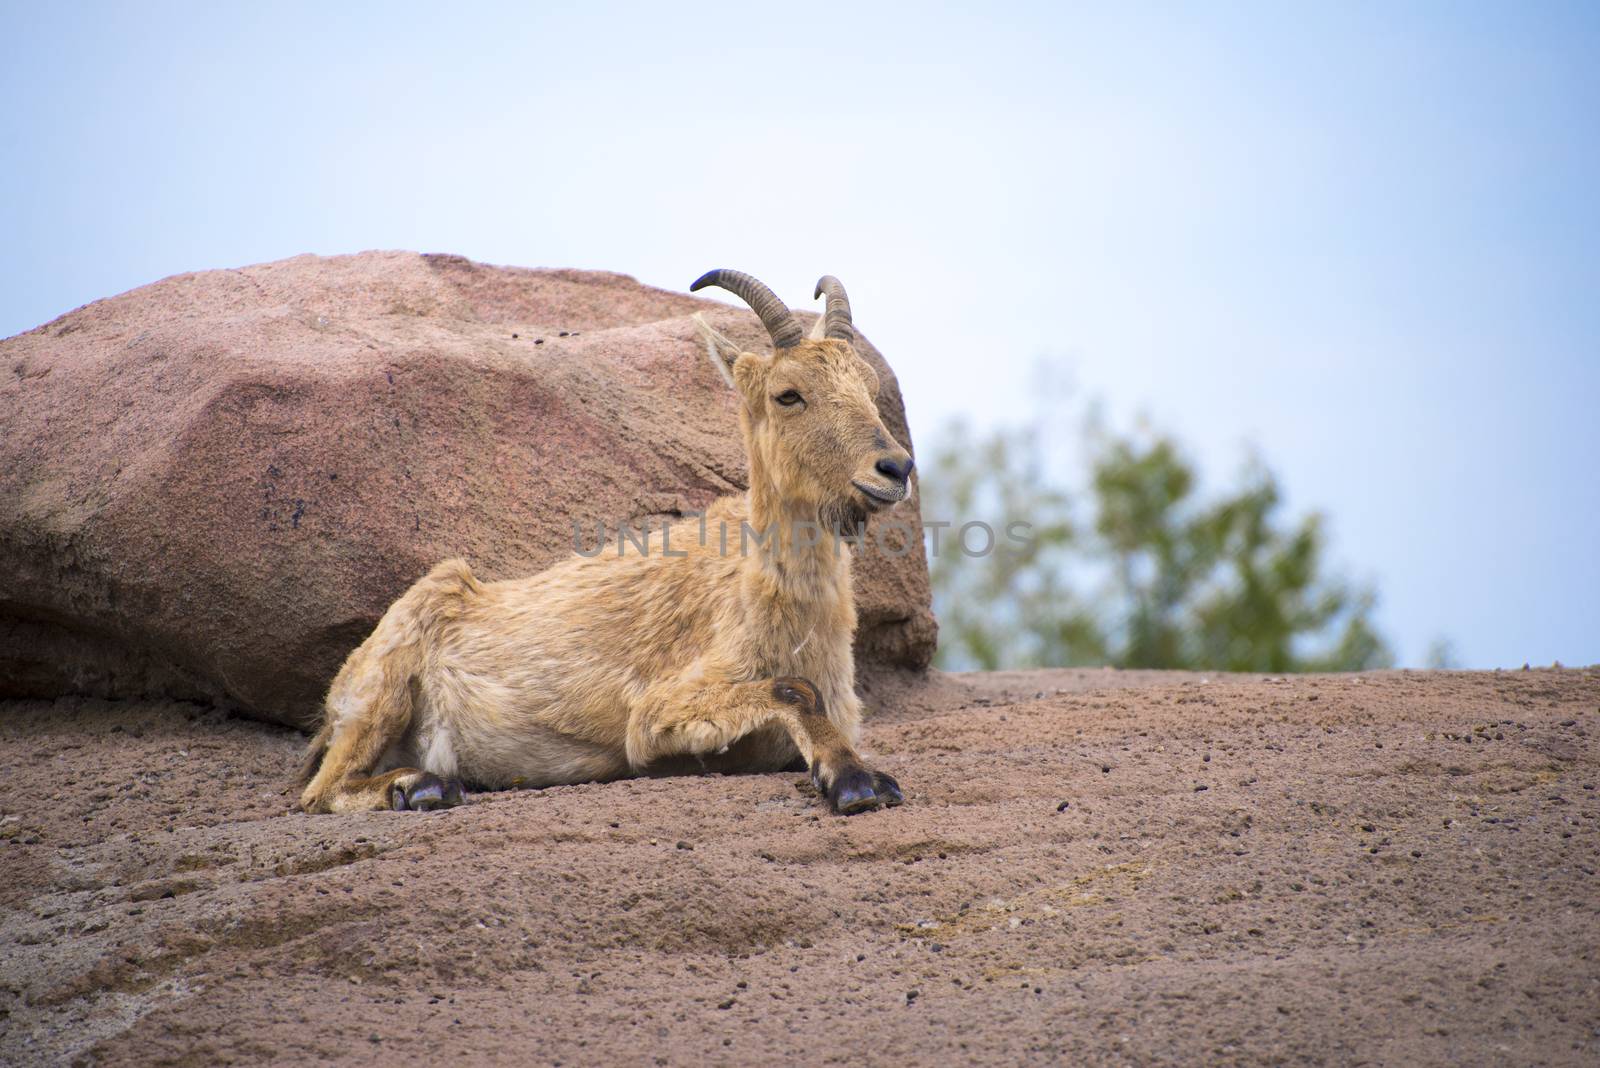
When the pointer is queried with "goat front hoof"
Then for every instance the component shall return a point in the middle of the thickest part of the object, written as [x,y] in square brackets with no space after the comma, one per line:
[887,789]
[859,790]
[425,793]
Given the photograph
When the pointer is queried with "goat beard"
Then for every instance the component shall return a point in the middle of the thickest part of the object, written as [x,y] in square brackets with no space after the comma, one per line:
[844,518]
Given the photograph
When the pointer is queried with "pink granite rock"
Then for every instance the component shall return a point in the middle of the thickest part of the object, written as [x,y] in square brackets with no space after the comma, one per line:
[213,486]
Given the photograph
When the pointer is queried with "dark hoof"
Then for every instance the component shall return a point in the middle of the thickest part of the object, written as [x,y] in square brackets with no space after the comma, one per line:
[793,690]
[860,790]
[888,790]
[426,793]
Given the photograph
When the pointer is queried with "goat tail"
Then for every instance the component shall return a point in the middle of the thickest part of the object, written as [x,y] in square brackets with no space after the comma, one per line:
[315,752]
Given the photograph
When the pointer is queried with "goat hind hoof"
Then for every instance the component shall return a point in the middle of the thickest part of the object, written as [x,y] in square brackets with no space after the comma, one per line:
[426,793]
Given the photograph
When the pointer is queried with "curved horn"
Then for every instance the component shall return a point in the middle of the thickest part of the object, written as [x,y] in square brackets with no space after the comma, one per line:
[775,315]
[836,323]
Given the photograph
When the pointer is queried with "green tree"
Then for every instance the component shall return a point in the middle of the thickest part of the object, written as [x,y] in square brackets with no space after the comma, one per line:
[1154,577]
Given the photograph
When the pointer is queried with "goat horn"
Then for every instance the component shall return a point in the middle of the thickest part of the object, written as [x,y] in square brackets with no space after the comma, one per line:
[836,323]
[775,315]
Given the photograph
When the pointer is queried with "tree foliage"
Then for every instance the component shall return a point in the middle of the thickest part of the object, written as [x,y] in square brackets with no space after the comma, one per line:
[1135,570]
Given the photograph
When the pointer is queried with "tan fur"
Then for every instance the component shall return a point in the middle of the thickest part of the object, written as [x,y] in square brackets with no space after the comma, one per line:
[607,666]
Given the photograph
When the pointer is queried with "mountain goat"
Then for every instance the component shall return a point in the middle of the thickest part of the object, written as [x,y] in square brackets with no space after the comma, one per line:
[609,666]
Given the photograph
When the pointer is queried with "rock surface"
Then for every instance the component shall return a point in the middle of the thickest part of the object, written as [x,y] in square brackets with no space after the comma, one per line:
[213,486]
[1090,868]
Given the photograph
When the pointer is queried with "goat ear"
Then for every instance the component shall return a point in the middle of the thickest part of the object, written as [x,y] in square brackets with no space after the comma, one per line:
[817,328]
[871,375]
[749,378]
[723,352]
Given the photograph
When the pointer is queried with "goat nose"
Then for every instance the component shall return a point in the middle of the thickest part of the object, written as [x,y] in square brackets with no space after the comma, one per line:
[897,471]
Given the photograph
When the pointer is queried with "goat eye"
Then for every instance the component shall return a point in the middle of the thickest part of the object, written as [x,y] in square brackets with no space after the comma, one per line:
[788,398]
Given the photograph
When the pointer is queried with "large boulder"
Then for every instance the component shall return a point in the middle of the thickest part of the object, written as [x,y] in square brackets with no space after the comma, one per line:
[213,486]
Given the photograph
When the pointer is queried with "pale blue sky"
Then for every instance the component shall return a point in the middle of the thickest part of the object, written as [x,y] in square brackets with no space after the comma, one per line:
[1363,239]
